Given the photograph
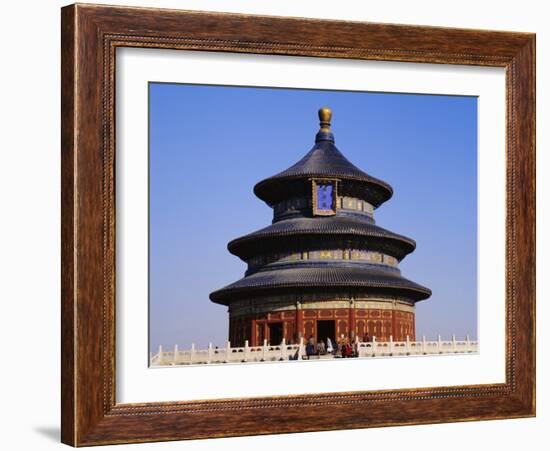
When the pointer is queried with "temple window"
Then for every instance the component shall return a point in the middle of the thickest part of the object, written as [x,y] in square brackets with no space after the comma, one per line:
[359,255]
[355,204]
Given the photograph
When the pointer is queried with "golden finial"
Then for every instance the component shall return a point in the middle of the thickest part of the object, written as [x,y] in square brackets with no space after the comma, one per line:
[325,115]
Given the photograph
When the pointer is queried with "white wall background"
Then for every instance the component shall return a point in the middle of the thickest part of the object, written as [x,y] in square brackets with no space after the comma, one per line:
[30,228]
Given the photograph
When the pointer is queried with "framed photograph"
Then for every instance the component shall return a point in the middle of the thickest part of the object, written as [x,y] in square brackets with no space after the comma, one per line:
[278,225]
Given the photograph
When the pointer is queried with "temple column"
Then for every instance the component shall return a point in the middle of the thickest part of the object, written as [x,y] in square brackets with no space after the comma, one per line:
[352,332]
[396,335]
[299,320]
[254,334]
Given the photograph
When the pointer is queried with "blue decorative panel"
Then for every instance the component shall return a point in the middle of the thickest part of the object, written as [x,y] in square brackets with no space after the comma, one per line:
[325,197]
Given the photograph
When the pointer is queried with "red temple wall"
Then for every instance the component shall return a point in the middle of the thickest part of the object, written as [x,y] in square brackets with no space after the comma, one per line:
[380,323]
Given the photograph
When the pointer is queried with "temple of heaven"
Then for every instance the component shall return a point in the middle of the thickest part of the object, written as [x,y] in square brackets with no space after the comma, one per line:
[323,268]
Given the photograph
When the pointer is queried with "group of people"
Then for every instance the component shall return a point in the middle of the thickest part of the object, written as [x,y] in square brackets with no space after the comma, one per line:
[342,347]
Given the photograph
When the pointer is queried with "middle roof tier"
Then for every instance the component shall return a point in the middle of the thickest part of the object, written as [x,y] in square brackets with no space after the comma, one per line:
[304,233]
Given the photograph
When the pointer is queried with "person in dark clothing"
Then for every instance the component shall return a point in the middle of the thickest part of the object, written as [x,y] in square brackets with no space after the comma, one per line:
[310,348]
[346,350]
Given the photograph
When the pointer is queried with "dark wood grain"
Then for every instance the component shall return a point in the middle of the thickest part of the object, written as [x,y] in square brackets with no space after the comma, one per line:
[67,226]
[90,35]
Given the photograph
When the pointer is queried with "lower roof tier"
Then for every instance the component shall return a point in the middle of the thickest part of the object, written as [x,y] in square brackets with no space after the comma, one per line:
[283,235]
[328,278]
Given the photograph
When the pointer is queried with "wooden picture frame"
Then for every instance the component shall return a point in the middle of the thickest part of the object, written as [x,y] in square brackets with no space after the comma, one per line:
[90,36]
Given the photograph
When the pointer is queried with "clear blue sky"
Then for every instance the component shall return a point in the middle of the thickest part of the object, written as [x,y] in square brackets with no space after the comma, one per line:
[209,145]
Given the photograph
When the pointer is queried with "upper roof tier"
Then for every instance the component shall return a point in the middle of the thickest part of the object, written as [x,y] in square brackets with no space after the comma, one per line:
[324,160]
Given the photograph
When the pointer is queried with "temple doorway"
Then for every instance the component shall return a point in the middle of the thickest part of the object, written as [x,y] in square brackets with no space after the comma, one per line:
[326,329]
[275,333]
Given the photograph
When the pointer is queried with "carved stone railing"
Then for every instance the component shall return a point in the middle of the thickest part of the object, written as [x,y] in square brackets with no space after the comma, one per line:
[284,351]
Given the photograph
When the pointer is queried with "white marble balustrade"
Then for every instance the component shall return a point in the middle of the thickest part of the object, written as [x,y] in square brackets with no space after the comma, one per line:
[284,351]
